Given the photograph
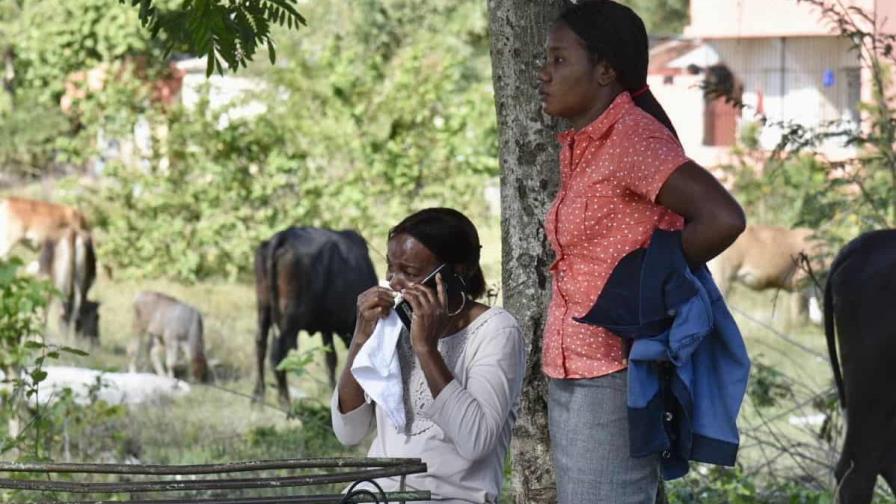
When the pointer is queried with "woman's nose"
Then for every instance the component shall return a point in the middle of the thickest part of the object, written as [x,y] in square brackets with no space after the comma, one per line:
[397,283]
[542,73]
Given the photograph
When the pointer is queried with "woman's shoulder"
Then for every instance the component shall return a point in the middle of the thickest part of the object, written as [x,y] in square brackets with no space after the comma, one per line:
[496,321]
[495,317]
[637,121]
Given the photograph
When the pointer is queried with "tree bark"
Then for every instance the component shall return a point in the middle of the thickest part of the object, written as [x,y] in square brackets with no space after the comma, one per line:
[529,179]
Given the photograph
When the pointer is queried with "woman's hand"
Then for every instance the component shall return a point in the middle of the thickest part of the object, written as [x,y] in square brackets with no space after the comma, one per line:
[429,321]
[373,305]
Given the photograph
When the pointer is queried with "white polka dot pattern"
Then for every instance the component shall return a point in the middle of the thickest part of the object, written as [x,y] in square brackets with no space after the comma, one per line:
[610,172]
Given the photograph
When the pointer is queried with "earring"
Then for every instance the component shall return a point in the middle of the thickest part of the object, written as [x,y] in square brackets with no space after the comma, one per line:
[462,304]
[463,295]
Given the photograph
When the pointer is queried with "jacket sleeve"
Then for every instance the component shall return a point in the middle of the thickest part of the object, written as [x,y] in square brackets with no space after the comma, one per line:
[474,415]
[351,427]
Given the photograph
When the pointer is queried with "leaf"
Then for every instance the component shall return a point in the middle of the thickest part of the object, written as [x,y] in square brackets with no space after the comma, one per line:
[73,351]
[272,53]
[38,375]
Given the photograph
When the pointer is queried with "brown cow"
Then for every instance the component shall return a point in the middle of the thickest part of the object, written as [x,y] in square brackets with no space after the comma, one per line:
[35,222]
[70,263]
[170,325]
[766,257]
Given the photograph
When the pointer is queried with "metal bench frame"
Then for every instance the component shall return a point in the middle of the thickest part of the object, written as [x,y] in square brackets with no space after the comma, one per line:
[338,470]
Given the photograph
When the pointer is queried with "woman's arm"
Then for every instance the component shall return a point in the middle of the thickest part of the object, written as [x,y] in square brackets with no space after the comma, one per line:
[373,304]
[713,219]
[352,417]
[473,416]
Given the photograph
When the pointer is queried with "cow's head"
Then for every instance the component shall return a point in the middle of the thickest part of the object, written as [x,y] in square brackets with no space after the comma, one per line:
[88,322]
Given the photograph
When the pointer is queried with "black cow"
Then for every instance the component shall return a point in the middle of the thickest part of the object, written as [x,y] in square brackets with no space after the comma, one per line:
[308,279]
[860,297]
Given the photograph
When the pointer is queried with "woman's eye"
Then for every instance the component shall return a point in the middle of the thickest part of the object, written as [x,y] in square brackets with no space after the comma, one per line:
[558,59]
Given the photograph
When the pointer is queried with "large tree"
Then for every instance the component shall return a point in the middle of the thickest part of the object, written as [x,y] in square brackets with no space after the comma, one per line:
[529,177]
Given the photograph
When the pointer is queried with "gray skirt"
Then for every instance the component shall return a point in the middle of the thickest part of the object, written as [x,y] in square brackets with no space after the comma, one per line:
[590,445]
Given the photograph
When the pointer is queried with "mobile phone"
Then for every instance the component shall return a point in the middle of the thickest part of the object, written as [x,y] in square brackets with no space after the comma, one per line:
[403,308]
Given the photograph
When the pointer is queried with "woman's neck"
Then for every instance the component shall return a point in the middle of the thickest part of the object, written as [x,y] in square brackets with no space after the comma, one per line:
[605,97]
[471,311]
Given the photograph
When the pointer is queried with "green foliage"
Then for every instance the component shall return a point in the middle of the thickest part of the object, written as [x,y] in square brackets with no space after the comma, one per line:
[43,44]
[787,193]
[384,110]
[51,39]
[768,386]
[30,134]
[661,17]
[225,32]
[296,362]
[716,485]
[23,354]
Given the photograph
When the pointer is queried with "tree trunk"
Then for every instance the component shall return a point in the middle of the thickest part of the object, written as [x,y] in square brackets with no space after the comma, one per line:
[529,178]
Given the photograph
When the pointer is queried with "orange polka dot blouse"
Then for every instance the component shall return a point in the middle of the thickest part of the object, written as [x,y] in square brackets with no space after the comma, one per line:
[610,174]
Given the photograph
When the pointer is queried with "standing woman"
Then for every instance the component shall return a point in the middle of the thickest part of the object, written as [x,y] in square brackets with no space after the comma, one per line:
[623,175]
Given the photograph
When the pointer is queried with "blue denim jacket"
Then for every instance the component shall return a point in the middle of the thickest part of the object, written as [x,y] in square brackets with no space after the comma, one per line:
[688,366]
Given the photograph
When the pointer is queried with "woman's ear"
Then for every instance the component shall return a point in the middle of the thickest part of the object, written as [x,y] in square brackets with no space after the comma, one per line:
[606,75]
[461,270]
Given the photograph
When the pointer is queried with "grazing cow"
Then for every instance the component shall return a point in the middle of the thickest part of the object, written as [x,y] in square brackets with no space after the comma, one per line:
[766,257]
[308,279]
[70,263]
[859,300]
[35,222]
[167,324]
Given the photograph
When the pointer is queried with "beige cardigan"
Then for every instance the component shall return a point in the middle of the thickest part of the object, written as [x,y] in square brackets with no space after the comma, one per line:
[463,434]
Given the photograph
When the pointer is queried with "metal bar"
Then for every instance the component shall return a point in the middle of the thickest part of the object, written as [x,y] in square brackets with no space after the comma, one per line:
[222,484]
[255,465]
[296,499]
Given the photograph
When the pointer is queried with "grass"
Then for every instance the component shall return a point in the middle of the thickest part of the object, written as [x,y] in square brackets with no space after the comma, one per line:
[220,423]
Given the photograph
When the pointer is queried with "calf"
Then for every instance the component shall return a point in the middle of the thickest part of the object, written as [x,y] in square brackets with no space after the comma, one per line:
[859,301]
[307,279]
[167,325]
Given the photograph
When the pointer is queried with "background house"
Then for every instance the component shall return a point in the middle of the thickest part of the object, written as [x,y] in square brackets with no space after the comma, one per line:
[784,60]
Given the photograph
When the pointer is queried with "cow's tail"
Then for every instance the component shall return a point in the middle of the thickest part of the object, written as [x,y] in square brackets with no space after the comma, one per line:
[831,339]
[271,260]
[84,274]
[89,262]
[197,350]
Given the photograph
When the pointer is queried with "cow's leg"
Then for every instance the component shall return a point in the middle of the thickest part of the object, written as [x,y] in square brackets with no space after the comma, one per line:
[855,481]
[261,349]
[171,348]
[889,474]
[155,355]
[157,347]
[287,340]
[330,351]
[7,239]
[861,458]
[263,310]
[134,352]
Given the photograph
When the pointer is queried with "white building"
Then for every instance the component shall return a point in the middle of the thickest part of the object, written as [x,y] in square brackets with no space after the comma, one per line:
[786,60]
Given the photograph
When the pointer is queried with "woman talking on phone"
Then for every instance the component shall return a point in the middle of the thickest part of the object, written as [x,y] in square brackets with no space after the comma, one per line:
[462,365]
